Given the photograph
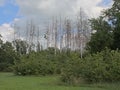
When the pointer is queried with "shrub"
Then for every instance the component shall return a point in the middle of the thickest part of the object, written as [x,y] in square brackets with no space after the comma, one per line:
[42,63]
[100,67]
[71,72]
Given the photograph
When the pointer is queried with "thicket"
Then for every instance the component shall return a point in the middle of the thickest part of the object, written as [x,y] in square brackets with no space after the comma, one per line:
[101,67]
[7,56]
[45,62]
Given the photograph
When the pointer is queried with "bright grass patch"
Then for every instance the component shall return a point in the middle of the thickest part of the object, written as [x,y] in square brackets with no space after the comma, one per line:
[9,81]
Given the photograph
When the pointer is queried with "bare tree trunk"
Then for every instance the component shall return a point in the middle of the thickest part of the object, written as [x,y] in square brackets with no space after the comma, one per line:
[56,34]
[32,36]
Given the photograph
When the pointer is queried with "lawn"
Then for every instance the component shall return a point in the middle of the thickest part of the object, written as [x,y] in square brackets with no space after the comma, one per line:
[9,81]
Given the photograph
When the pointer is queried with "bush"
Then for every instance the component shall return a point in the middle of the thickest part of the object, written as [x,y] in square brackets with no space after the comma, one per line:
[71,72]
[7,57]
[100,67]
[103,67]
[42,63]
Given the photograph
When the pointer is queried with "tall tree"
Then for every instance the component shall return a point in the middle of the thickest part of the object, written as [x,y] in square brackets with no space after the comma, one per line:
[7,56]
[113,15]
[68,34]
[107,29]
[83,31]
[101,37]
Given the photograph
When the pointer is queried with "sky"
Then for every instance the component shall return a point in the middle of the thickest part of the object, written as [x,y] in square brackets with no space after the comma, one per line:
[13,11]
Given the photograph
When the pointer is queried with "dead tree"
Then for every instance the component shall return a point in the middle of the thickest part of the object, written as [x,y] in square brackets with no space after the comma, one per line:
[38,47]
[68,34]
[32,36]
[82,28]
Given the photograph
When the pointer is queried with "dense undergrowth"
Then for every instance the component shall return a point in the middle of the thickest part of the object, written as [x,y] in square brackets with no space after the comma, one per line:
[100,67]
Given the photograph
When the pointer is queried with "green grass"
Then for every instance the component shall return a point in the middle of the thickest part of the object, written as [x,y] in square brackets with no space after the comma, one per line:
[8,81]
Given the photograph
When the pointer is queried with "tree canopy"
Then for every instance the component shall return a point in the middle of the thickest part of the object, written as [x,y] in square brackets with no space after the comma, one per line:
[107,28]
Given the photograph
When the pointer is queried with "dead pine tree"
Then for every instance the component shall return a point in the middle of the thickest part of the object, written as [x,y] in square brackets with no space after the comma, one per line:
[68,34]
[61,34]
[56,34]
[32,36]
[82,30]
[38,47]
[47,35]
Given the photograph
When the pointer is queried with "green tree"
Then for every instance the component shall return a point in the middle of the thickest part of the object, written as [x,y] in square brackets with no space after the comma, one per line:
[7,56]
[20,46]
[113,15]
[0,40]
[102,37]
[107,28]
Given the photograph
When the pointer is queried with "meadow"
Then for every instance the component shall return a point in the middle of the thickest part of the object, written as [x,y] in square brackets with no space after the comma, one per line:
[9,81]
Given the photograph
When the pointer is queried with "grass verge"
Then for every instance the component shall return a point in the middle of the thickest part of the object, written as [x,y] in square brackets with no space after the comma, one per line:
[9,81]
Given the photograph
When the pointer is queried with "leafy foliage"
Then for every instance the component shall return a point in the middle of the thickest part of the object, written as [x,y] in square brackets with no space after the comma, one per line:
[40,63]
[20,46]
[107,28]
[101,67]
[102,38]
[7,56]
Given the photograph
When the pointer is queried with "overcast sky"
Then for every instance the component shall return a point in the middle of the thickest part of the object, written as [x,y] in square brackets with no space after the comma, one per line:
[41,10]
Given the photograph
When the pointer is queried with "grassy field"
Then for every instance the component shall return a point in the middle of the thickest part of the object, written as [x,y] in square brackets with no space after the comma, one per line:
[8,81]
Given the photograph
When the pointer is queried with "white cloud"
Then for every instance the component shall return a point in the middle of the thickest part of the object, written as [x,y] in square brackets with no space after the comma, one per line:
[43,10]
[2,2]
[7,32]
[48,8]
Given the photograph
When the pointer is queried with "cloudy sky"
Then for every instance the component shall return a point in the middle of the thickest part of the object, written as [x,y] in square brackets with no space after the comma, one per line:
[41,10]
